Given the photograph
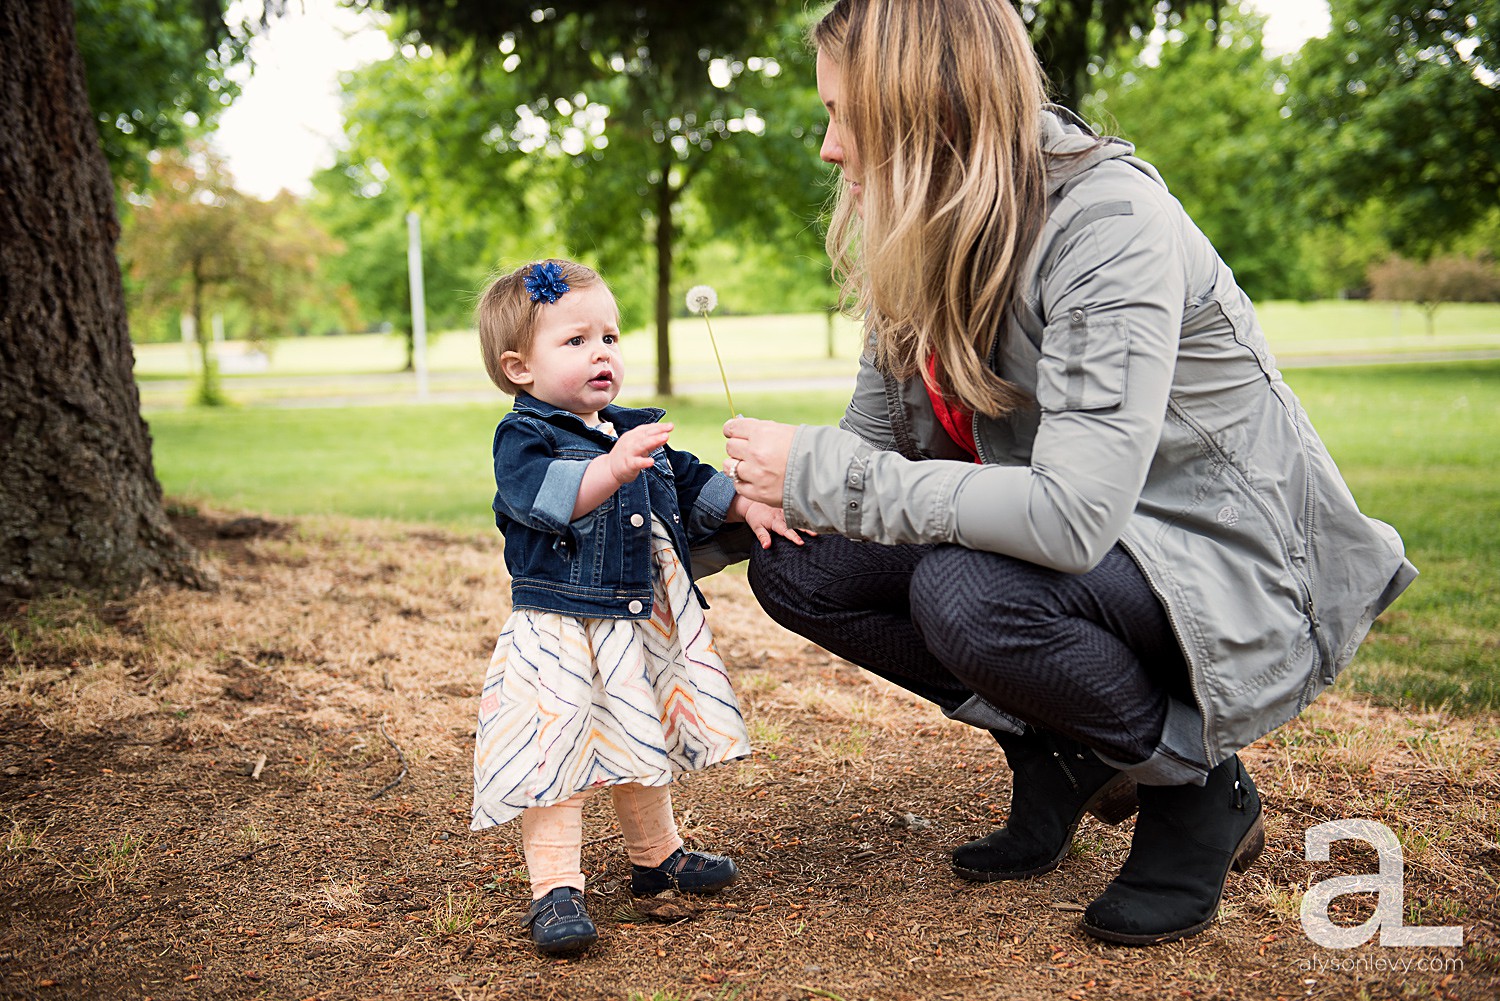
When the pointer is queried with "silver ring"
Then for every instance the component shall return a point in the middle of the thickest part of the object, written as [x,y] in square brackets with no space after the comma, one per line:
[733,470]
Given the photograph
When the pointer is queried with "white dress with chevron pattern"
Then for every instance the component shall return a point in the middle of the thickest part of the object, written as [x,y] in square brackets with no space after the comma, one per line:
[571,704]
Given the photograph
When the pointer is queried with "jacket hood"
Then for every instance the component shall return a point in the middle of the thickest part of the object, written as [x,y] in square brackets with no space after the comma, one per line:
[1065,133]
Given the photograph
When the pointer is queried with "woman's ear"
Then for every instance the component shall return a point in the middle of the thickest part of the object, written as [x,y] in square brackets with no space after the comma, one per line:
[516,368]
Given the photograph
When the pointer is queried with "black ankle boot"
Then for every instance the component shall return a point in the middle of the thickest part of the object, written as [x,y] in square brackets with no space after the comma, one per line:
[1187,838]
[1054,782]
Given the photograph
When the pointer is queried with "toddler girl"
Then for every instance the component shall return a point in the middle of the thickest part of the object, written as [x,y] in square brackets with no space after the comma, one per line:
[605,673]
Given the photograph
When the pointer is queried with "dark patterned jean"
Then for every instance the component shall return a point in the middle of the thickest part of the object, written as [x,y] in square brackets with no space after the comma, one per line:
[1091,656]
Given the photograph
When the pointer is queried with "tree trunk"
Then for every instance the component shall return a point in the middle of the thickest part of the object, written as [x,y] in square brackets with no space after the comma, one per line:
[80,506]
[1429,312]
[664,198]
[208,394]
[198,334]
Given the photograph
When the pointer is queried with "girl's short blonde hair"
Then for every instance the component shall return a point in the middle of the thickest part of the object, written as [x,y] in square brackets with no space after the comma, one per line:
[507,314]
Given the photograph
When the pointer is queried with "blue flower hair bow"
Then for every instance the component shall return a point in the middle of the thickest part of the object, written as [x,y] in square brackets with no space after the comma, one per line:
[545,282]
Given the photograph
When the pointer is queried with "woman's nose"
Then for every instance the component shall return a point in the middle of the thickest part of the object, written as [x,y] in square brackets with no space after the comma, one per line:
[832,151]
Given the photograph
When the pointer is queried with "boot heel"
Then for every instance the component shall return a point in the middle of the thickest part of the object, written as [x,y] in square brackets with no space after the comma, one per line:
[1253,843]
[1117,801]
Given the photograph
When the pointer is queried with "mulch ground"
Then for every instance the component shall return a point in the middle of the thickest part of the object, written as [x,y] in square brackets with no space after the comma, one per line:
[262,790]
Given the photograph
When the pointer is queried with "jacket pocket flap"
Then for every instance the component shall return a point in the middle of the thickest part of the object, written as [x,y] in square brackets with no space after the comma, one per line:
[1083,363]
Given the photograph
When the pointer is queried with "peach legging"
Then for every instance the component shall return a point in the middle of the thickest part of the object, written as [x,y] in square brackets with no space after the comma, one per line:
[552,836]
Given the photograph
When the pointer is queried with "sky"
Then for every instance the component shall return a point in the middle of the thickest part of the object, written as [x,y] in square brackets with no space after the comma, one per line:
[286,123]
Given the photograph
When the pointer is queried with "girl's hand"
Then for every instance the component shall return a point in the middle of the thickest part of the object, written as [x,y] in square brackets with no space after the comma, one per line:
[758,452]
[766,521]
[632,452]
[620,465]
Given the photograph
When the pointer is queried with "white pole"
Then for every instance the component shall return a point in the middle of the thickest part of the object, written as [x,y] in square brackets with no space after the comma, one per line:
[418,301]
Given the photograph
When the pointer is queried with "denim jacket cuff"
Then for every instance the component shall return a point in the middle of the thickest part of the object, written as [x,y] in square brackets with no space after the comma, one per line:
[553,507]
[711,507]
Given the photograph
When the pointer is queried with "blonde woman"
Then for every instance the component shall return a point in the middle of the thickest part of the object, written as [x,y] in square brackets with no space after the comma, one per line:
[1087,513]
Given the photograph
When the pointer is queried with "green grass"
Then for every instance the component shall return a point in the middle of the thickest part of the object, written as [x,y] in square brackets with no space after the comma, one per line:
[1418,444]
[755,348]
[409,463]
[1342,327]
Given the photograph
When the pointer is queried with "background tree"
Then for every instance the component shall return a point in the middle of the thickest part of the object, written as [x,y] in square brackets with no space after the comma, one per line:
[639,102]
[357,203]
[414,133]
[293,291]
[80,506]
[1431,283]
[1207,115]
[1076,38]
[195,244]
[156,71]
[1399,104]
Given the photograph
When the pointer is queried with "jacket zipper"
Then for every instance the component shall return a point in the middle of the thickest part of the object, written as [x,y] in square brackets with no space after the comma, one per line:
[1304,578]
[1308,506]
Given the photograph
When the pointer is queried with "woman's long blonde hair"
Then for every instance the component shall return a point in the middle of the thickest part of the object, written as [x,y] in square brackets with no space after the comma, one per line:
[943,101]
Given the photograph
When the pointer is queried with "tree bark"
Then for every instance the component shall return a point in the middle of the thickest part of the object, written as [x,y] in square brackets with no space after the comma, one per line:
[80,506]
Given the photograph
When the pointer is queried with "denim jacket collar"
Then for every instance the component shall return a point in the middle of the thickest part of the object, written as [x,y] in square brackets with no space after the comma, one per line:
[623,418]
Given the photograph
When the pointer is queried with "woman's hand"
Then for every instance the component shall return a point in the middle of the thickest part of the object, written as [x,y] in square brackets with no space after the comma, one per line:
[758,452]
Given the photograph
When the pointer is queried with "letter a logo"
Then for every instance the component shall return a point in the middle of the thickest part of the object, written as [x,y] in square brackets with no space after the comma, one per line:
[1387,883]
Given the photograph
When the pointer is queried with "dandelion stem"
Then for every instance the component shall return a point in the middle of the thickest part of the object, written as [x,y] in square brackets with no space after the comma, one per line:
[722,377]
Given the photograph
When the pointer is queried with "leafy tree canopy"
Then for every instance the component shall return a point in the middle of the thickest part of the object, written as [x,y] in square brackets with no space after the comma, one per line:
[667,42]
[627,116]
[194,244]
[1206,113]
[1400,104]
[1431,283]
[357,203]
[157,70]
[1076,38]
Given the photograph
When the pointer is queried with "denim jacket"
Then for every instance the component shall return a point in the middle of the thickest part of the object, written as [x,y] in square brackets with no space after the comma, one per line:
[599,564]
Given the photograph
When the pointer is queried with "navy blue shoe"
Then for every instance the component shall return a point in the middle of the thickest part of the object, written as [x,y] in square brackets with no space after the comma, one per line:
[685,872]
[559,924]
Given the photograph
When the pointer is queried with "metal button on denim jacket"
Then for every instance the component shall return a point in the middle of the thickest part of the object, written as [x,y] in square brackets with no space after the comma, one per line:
[599,564]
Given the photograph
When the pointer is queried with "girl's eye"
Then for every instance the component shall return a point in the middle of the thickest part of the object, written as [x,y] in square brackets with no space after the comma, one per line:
[611,338]
[575,340]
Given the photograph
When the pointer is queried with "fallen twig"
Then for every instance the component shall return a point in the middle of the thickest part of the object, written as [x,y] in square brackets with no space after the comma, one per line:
[818,991]
[247,856]
[397,780]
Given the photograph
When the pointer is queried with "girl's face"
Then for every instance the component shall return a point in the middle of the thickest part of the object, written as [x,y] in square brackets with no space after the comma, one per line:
[838,145]
[575,361]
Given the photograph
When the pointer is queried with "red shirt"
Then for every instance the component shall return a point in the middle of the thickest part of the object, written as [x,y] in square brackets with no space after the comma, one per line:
[958,422]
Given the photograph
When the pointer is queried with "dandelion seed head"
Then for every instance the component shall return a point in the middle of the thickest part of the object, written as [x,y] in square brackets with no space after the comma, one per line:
[702,299]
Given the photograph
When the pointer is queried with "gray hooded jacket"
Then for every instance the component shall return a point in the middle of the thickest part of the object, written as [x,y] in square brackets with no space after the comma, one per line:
[1162,424]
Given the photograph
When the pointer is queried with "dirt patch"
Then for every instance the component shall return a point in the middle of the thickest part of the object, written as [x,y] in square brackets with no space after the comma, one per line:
[191,796]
